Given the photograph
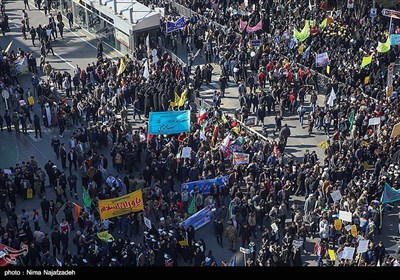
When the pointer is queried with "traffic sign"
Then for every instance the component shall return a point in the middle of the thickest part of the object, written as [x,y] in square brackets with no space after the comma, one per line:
[373,12]
[391,13]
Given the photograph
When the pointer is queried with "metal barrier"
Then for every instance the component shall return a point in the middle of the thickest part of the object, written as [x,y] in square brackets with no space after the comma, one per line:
[173,56]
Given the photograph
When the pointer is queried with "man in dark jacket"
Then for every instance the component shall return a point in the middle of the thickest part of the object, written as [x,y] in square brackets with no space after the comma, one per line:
[45,205]
[56,241]
[36,123]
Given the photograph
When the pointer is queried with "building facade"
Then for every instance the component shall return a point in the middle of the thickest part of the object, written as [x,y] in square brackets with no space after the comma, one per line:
[123,24]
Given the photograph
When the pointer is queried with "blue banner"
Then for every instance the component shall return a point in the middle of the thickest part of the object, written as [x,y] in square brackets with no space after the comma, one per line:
[200,218]
[394,39]
[389,194]
[169,122]
[172,26]
[204,185]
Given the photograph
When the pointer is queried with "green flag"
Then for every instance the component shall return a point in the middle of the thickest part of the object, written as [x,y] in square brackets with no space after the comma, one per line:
[324,23]
[87,201]
[304,34]
[351,121]
[105,236]
[192,206]
[366,61]
[384,47]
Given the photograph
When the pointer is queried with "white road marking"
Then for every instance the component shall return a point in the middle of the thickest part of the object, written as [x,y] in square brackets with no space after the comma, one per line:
[60,57]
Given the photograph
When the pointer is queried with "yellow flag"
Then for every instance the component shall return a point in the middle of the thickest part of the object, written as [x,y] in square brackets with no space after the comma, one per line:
[301,49]
[183,98]
[323,145]
[176,101]
[122,66]
[366,80]
[332,255]
[365,164]
[236,129]
[366,61]
[328,69]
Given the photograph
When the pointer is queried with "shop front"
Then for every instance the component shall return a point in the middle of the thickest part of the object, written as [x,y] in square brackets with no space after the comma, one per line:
[121,24]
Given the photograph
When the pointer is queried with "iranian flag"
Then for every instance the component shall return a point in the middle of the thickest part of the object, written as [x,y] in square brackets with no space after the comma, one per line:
[202,115]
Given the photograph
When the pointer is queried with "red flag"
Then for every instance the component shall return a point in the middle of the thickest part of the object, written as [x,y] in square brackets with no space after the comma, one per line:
[9,255]
[77,209]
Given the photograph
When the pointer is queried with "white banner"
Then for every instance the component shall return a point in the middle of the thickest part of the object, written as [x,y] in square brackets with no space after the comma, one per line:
[345,216]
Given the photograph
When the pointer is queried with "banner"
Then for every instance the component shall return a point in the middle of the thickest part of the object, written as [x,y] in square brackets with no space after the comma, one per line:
[114,207]
[240,158]
[169,122]
[204,185]
[200,218]
[345,216]
[394,39]
[389,194]
[322,59]
[10,255]
[362,246]
[175,25]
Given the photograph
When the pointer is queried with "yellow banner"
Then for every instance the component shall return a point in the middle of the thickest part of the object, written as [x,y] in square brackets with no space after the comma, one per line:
[122,205]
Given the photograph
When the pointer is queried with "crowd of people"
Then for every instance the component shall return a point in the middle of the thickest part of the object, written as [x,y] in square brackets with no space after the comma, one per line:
[253,206]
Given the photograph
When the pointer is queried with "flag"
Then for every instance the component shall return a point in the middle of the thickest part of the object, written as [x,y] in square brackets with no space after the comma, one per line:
[233,261]
[304,34]
[366,80]
[366,60]
[329,20]
[182,98]
[175,25]
[389,194]
[122,66]
[236,129]
[384,47]
[77,209]
[324,23]
[176,101]
[328,69]
[192,206]
[203,131]
[255,28]
[332,98]
[323,145]
[8,47]
[148,44]
[351,121]
[202,115]
[224,119]
[146,73]
[105,236]
[306,53]
[87,201]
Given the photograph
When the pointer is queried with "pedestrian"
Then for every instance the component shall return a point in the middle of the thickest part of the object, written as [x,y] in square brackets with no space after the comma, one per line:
[32,31]
[45,206]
